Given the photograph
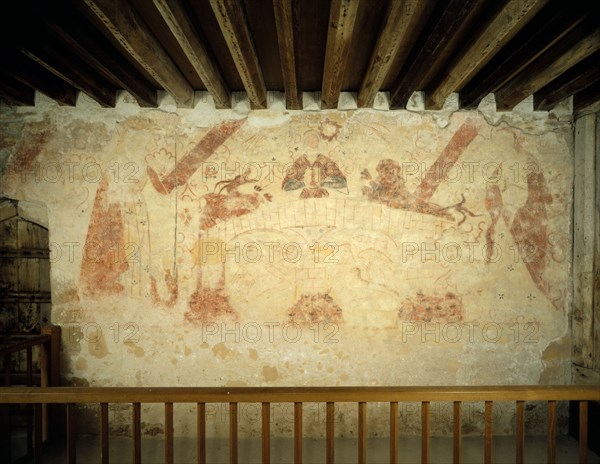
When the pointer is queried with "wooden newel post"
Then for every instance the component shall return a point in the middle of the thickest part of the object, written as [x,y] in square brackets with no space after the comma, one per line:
[51,354]
[50,377]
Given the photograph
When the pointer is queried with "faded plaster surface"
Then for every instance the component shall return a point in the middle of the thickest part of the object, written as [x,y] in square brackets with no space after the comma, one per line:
[251,248]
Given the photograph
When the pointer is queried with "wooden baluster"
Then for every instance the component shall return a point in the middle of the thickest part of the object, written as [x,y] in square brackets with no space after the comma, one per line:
[425,432]
[362,432]
[137,433]
[394,432]
[45,382]
[488,431]
[29,407]
[233,433]
[551,432]
[520,423]
[7,370]
[52,354]
[297,433]
[104,433]
[38,450]
[169,454]
[71,436]
[266,433]
[330,450]
[583,431]
[457,432]
[29,366]
[201,433]
[5,439]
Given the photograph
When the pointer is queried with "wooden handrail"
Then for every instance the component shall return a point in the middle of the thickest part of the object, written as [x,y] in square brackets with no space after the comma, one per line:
[13,343]
[16,395]
[43,396]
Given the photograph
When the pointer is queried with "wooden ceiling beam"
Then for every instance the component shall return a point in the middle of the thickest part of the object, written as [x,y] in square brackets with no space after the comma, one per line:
[123,22]
[286,38]
[232,21]
[576,79]
[93,47]
[445,22]
[15,93]
[195,50]
[577,46]
[403,21]
[342,17]
[37,77]
[548,27]
[59,61]
[586,97]
[505,24]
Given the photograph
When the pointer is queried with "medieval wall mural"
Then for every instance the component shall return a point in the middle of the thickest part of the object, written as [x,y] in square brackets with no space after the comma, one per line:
[285,248]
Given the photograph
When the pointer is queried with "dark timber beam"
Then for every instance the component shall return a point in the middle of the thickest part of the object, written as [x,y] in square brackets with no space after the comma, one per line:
[403,21]
[571,50]
[548,27]
[576,79]
[342,16]
[130,31]
[586,97]
[64,64]
[232,21]
[94,49]
[505,24]
[446,20]
[195,50]
[37,77]
[286,38]
[15,93]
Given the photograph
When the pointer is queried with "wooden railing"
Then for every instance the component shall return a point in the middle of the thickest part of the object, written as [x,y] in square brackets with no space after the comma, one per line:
[48,344]
[328,395]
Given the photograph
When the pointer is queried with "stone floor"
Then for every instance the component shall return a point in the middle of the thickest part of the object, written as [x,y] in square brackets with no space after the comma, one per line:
[314,450]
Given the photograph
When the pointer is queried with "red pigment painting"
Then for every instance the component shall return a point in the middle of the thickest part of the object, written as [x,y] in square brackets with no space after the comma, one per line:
[528,228]
[389,187]
[495,206]
[530,231]
[221,206]
[33,142]
[104,251]
[172,288]
[207,304]
[318,308]
[431,308]
[194,159]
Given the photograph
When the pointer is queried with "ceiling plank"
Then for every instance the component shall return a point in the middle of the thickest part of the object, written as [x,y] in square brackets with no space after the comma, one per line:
[446,21]
[509,20]
[402,22]
[547,67]
[572,81]
[92,47]
[232,21]
[195,50]
[284,21]
[586,97]
[35,76]
[59,61]
[131,32]
[342,17]
[15,93]
[549,26]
